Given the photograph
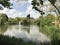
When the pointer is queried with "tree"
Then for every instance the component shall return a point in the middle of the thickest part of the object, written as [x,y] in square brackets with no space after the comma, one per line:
[28,16]
[5,3]
[18,19]
[46,20]
[49,19]
[3,18]
[37,3]
[13,21]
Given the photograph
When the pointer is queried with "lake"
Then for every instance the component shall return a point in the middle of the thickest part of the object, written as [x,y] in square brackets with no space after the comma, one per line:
[31,32]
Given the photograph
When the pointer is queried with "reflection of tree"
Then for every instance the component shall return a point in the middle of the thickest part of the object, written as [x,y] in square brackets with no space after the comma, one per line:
[3,28]
[26,28]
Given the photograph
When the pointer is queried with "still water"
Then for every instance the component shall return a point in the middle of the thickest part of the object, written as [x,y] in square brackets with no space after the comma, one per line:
[26,32]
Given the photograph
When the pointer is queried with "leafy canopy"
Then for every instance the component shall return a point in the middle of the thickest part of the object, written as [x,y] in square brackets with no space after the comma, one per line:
[37,3]
[5,3]
[3,18]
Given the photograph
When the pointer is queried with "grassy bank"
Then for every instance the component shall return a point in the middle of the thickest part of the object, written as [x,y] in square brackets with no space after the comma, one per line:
[52,32]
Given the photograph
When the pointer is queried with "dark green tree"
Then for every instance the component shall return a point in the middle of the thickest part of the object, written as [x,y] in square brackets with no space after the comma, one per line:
[5,3]
[28,16]
[3,18]
[37,3]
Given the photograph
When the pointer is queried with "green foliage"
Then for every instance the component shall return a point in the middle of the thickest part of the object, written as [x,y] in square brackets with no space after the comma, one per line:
[25,21]
[52,1]
[18,18]
[41,2]
[50,31]
[3,18]
[28,16]
[35,3]
[13,21]
[47,20]
[5,3]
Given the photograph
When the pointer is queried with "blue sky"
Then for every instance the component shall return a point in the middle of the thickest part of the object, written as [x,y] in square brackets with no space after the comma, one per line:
[22,8]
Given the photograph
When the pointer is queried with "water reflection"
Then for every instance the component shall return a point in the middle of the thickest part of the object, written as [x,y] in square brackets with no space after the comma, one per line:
[3,29]
[25,28]
[26,32]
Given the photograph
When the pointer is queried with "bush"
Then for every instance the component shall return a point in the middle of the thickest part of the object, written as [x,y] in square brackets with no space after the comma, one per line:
[25,21]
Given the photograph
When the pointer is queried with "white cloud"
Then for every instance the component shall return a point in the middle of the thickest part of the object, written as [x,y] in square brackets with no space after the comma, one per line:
[29,1]
[33,13]
[15,13]
[11,12]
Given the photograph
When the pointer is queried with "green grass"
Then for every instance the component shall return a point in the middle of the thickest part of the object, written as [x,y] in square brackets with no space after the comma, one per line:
[52,32]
